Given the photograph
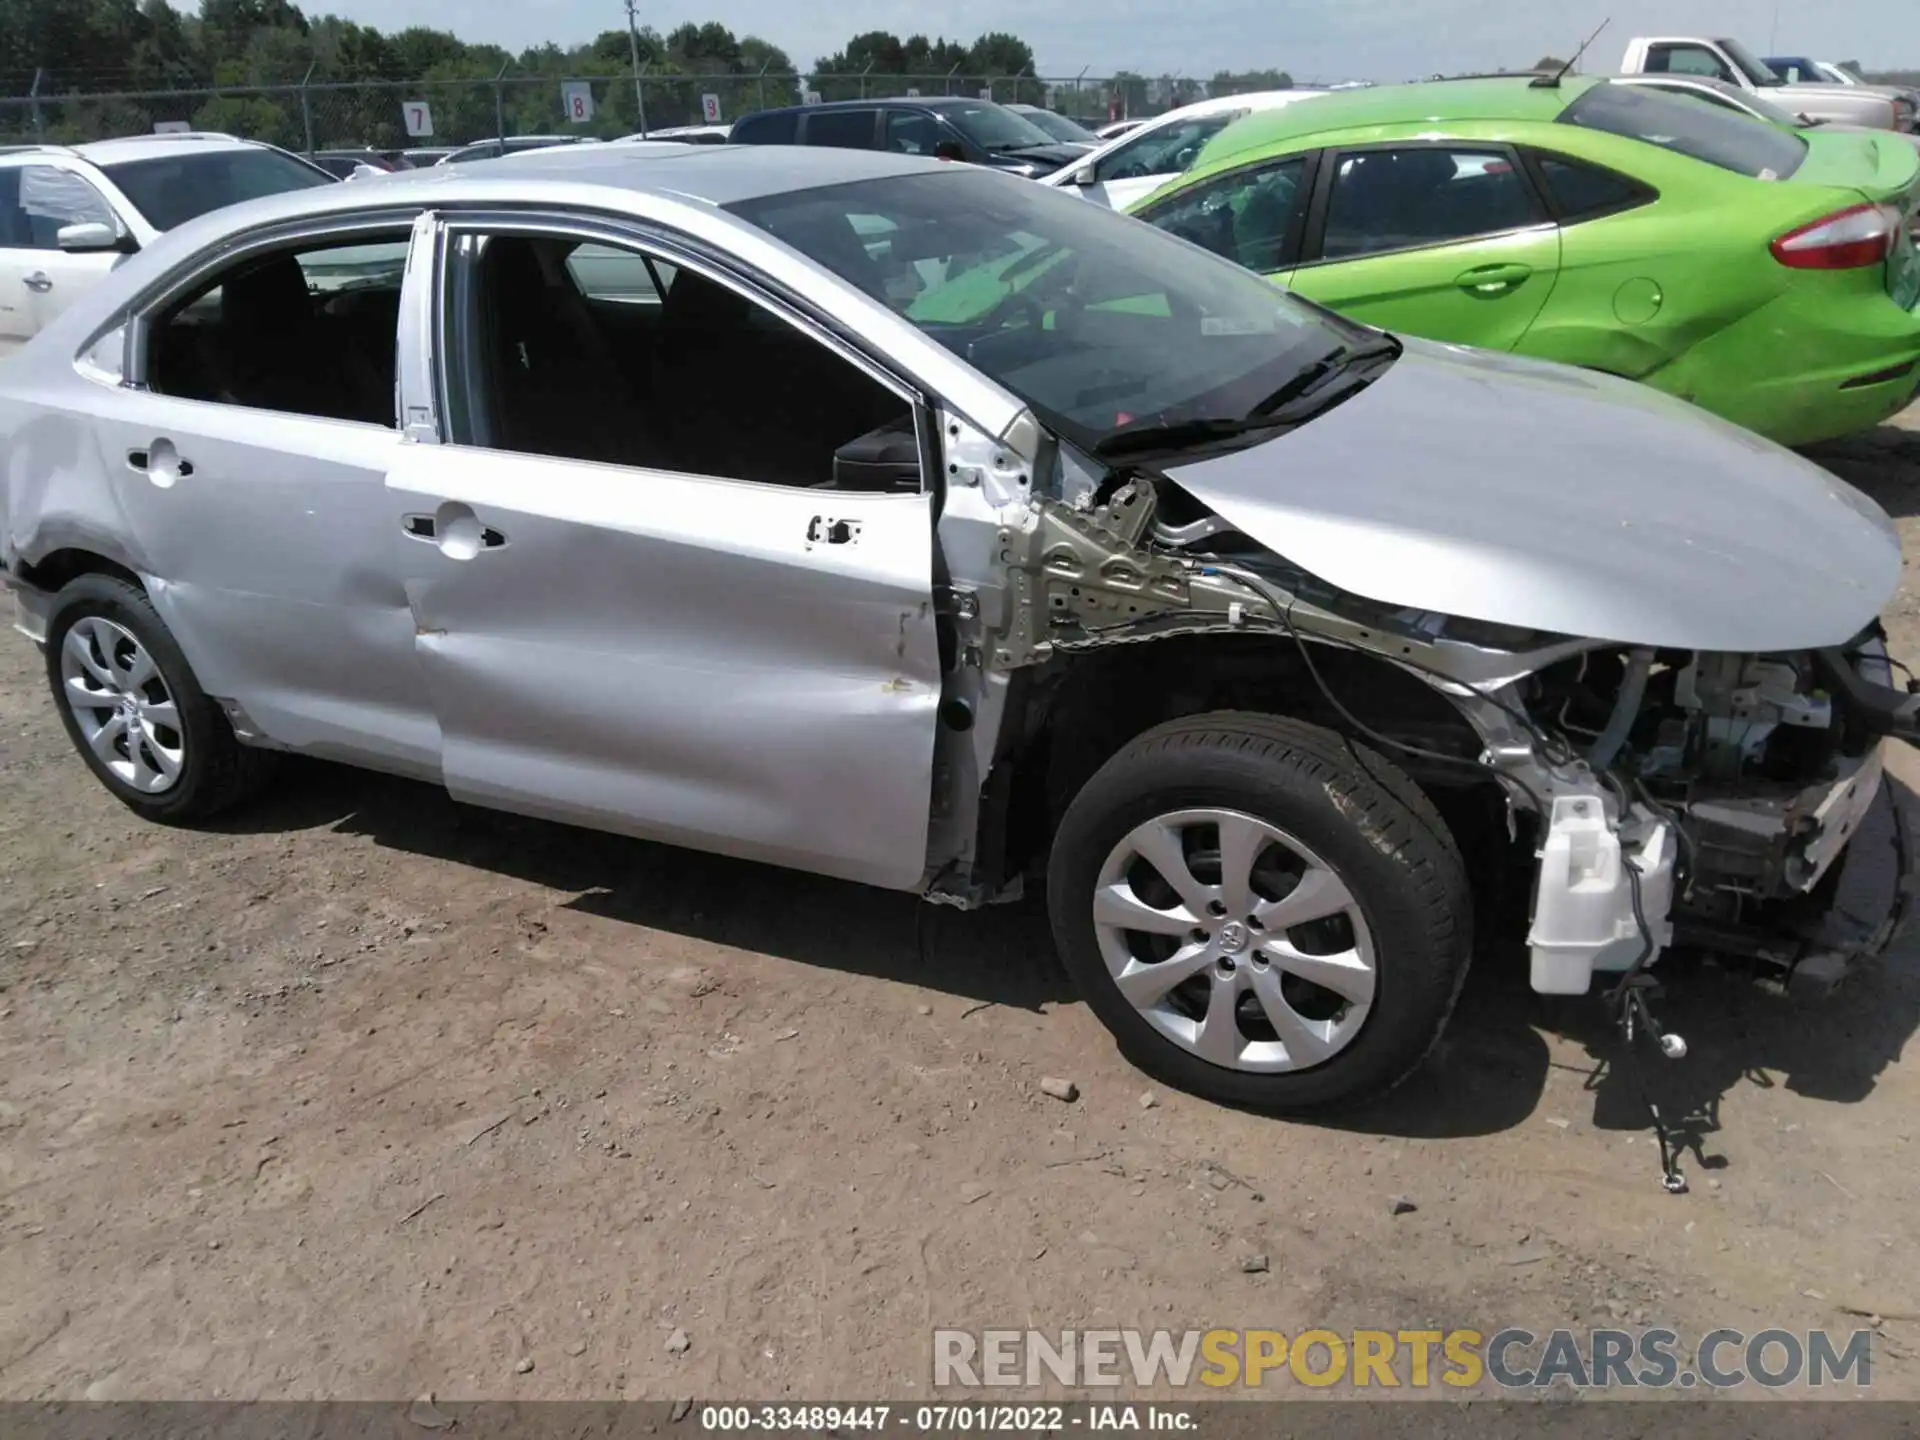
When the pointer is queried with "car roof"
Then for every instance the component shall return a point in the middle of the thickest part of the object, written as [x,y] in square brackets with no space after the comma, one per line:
[1256,100]
[160,147]
[132,147]
[1249,100]
[710,174]
[1432,101]
[926,102]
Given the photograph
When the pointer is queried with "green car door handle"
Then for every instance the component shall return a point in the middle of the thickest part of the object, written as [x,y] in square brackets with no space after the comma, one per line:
[1490,281]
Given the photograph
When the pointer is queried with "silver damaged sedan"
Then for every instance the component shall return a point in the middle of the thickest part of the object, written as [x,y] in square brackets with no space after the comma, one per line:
[917,525]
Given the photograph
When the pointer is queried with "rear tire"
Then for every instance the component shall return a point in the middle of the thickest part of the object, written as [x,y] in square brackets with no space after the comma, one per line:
[134,710]
[1312,949]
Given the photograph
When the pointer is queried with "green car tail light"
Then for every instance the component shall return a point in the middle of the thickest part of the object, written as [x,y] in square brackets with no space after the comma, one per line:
[1849,239]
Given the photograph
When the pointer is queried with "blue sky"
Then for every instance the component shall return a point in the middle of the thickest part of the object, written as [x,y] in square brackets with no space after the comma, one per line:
[1320,39]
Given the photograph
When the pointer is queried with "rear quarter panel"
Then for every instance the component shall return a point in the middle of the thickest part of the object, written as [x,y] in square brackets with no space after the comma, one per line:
[56,492]
[1642,286]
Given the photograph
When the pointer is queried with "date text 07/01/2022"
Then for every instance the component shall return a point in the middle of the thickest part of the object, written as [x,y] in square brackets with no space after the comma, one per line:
[1023,1419]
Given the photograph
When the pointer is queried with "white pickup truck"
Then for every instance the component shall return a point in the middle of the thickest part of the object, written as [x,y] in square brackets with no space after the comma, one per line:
[1881,107]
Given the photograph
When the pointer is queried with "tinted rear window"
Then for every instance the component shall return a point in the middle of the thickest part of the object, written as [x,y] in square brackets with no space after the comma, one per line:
[776,127]
[1582,190]
[1719,137]
[844,129]
[173,189]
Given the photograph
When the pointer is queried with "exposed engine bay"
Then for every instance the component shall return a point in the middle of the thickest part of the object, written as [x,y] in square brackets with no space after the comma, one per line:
[1667,796]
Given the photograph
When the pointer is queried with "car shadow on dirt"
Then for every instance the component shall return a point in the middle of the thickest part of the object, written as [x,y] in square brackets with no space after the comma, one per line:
[1884,462]
[1491,1068]
[1002,955]
[1487,1075]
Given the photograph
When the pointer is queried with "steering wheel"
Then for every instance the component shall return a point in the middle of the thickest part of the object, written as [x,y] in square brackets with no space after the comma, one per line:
[1016,303]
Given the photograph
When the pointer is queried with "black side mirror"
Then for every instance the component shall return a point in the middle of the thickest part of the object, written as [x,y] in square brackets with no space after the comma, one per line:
[884,461]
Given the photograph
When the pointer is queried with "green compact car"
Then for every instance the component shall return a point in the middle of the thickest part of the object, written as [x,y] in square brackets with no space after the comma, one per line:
[1768,275]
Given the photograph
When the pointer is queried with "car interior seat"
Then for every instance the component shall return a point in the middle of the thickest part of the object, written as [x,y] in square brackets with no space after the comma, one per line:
[271,352]
[555,389]
[742,393]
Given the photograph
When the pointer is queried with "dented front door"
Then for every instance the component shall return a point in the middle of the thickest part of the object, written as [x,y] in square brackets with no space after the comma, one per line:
[742,668]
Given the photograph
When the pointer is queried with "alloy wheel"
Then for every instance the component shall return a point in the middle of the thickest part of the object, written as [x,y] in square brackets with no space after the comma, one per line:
[122,704]
[1235,941]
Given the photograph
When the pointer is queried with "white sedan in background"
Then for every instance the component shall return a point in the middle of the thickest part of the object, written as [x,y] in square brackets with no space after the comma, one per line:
[70,214]
[1136,164]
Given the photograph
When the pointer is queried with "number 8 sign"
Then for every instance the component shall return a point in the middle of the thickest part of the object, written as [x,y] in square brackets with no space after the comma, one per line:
[419,119]
[576,99]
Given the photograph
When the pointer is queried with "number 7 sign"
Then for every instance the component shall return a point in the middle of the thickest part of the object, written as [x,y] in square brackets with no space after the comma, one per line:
[419,118]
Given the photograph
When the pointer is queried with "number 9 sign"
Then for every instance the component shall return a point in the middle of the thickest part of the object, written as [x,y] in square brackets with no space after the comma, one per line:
[576,100]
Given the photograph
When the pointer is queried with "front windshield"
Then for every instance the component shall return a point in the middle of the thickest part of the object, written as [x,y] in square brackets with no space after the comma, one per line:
[173,189]
[1097,321]
[994,127]
[1059,127]
[1798,70]
[1755,68]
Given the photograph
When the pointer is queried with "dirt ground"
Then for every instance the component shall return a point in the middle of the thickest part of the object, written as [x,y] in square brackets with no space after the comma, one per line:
[366,1094]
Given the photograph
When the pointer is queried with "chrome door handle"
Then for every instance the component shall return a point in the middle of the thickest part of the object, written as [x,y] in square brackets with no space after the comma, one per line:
[160,463]
[39,281]
[460,537]
[1489,281]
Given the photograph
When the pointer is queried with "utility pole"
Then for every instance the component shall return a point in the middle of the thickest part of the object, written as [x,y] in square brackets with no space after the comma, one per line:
[633,49]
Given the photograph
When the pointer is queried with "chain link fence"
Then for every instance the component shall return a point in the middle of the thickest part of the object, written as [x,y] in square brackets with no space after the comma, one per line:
[392,115]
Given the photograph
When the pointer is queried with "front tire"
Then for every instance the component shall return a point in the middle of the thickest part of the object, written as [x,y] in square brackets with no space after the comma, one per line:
[134,710]
[1261,911]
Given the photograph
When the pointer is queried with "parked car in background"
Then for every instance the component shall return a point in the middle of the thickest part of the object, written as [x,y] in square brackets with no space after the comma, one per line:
[1243,631]
[1061,127]
[1114,129]
[1766,274]
[1881,107]
[976,131]
[686,134]
[348,164]
[1127,169]
[1799,70]
[511,145]
[418,157]
[1751,103]
[70,214]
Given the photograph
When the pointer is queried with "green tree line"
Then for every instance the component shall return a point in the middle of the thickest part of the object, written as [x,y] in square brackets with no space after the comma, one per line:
[66,51]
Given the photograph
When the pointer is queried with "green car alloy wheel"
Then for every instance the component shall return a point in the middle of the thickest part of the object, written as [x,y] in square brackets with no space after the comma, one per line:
[1766,274]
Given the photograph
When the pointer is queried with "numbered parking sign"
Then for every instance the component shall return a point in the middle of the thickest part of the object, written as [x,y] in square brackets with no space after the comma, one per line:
[576,99]
[710,109]
[811,97]
[419,118]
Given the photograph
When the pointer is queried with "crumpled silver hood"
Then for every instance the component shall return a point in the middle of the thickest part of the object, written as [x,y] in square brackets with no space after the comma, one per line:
[1495,488]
